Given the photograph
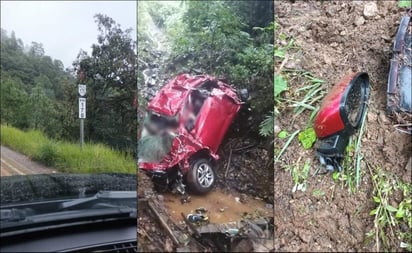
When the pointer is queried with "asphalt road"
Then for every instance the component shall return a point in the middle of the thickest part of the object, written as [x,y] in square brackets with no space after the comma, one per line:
[14,163]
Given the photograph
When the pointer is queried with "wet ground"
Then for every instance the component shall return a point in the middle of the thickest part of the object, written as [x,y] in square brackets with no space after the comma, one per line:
[225,211]
[337,38]
[220,206]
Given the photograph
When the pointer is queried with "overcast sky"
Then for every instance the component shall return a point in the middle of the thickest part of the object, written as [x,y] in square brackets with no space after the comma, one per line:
[63,27]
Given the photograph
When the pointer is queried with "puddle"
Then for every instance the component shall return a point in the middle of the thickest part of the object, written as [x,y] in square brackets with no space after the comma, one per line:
[221,207]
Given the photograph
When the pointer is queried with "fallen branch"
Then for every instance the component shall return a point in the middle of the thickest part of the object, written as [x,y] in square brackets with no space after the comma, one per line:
[163,223]
[144,234]
[243,148]
[282,64]
[228,163]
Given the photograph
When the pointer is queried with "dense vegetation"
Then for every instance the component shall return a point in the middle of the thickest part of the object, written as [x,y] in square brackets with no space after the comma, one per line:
[65,156]
[37,93]
[229,39]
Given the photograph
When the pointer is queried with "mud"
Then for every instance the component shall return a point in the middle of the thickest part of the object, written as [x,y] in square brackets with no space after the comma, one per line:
[337,38]
[226,211]
[220,206]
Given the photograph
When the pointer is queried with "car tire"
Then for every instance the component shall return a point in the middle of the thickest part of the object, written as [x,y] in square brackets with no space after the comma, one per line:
[201,176]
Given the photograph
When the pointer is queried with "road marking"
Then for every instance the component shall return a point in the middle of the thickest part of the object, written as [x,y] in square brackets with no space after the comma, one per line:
[12,167]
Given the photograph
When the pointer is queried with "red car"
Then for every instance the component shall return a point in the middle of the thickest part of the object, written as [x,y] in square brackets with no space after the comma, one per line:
[185,124]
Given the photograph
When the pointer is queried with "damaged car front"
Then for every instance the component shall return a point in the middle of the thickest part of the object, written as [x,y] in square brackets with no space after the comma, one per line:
[185,124]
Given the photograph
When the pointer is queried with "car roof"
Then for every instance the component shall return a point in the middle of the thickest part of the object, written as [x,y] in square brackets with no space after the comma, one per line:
[169,100]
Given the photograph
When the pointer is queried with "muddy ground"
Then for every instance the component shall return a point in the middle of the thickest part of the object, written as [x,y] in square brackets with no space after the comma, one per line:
[336,38]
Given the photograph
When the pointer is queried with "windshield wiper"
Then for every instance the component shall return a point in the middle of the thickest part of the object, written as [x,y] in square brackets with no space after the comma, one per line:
[113,198]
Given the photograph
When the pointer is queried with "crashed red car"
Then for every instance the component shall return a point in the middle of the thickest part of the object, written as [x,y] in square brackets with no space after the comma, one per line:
[184,126]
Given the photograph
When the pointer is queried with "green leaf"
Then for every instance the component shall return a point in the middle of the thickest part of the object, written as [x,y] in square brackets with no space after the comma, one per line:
[391,208]
[282,36]
[373,212]
[405,3]
[335,175]
[307,138]
[280,53]
[281,85]
[283,134]
[400,213]
[267,125]
[376,199]
[318,193]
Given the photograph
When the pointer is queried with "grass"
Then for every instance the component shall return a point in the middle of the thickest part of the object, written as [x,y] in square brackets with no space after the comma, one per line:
[405,3]
[358,154]
[388,218]
[300,175]
[348,175]
[286,145]
[65,156]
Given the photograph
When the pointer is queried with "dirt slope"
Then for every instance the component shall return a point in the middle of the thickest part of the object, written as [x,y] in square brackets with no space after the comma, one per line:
[335,39]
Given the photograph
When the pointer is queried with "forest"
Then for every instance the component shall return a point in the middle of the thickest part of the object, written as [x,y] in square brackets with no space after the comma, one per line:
[37,93]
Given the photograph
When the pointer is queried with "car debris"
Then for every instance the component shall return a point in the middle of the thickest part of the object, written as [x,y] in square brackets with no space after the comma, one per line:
[197,218]
[340,114]
[399,92]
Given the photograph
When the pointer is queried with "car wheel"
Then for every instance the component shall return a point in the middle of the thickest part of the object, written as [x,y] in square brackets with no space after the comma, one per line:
[201,176]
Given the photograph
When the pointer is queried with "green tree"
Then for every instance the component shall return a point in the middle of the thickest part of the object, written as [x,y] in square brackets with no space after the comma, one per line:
[32,86]
[110,74]
[218,38]
[13,102]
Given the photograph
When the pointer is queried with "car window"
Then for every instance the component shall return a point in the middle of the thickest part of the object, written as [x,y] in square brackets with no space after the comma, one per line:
[192,108]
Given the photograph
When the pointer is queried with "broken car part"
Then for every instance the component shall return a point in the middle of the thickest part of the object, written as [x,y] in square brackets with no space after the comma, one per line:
[340,114]
[399,92]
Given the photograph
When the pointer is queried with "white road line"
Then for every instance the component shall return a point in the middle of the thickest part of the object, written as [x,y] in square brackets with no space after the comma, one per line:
[12,167]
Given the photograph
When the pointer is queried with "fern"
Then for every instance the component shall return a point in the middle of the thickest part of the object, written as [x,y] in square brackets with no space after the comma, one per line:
[267,125]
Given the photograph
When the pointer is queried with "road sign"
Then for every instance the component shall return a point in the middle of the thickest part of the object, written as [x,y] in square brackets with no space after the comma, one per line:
[82,108]
[82,90]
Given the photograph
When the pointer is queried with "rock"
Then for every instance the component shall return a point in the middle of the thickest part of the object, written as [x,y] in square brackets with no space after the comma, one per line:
[343,33]
[372,117]
[408,166]
[305,236]
[168,246]
[327,59]
[245,245]
[386,38]
[359,21]
[243,198]
[383,119]
[370,10]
